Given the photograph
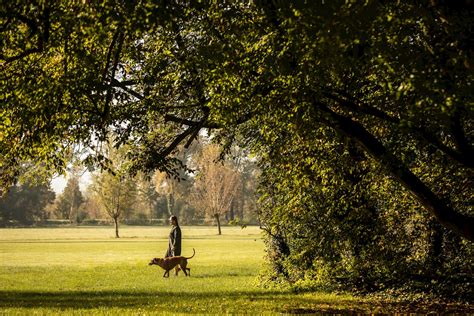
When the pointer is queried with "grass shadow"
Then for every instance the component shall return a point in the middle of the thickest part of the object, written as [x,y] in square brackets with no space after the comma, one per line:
[273,301]
[121,299]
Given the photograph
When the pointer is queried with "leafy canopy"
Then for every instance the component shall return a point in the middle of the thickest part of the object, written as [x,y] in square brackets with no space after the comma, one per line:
[288,79]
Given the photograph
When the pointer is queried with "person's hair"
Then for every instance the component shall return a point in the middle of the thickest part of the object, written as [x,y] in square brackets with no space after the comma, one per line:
[175,218]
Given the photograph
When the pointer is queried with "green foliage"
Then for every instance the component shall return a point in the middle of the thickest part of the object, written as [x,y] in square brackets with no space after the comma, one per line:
[348,230]
[70,200]
[25,204]
[113,188]
[116,193]
[216,184]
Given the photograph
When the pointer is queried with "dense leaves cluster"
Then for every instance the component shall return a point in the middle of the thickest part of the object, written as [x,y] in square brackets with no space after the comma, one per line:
[354,228]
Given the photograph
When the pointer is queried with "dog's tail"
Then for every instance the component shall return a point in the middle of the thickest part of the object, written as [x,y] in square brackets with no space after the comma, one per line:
[194,252]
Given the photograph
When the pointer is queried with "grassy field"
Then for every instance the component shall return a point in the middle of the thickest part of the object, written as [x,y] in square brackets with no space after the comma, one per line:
[83,271]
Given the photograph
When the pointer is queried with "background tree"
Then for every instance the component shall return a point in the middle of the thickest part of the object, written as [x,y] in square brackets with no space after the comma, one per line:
[244,205]
[70,201]
[117,194]
[169,187]
[215,186]
[25,204]
[115,190]
[92,205]
[176,187]
[147,196]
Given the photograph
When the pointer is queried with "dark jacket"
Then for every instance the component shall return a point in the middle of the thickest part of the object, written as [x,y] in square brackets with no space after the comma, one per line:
[174,244]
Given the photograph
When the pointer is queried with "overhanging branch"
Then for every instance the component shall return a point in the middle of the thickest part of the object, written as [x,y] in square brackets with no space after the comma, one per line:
[205,124]
[119,37]
[125,87]
[459,223]
[464,156]
[33,26]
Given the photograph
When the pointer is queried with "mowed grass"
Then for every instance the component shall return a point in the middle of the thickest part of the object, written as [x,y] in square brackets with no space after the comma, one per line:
[85,270]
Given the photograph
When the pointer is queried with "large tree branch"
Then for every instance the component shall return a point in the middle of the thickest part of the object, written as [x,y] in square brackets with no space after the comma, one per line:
[205,124]
[108,57]
[357,106]
[119,37]
[33,26]
[463,156]
[193,129]
[124,85]
[174,144]
[447,216]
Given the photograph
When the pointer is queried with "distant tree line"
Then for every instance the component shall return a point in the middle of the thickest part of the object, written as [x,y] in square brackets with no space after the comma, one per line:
[213,192]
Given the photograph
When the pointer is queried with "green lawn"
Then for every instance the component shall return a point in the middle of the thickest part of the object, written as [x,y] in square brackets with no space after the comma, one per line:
[87,271]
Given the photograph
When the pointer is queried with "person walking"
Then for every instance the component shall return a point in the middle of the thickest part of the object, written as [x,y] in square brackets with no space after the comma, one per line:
[174,242]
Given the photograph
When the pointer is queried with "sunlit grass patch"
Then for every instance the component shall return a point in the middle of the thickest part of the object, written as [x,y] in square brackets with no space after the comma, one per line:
[85,271]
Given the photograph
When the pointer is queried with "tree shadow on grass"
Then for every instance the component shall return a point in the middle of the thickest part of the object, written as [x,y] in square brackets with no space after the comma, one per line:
[115,299]
[166,301]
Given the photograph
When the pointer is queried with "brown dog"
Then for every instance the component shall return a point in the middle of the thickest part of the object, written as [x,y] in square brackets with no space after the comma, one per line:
[169,263]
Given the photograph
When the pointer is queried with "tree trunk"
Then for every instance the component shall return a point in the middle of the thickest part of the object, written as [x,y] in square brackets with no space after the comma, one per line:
[231,211]
[150,211]
[116,227]
[71,211]
[218,223]
[170,203]
[461,224]
[242,201]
